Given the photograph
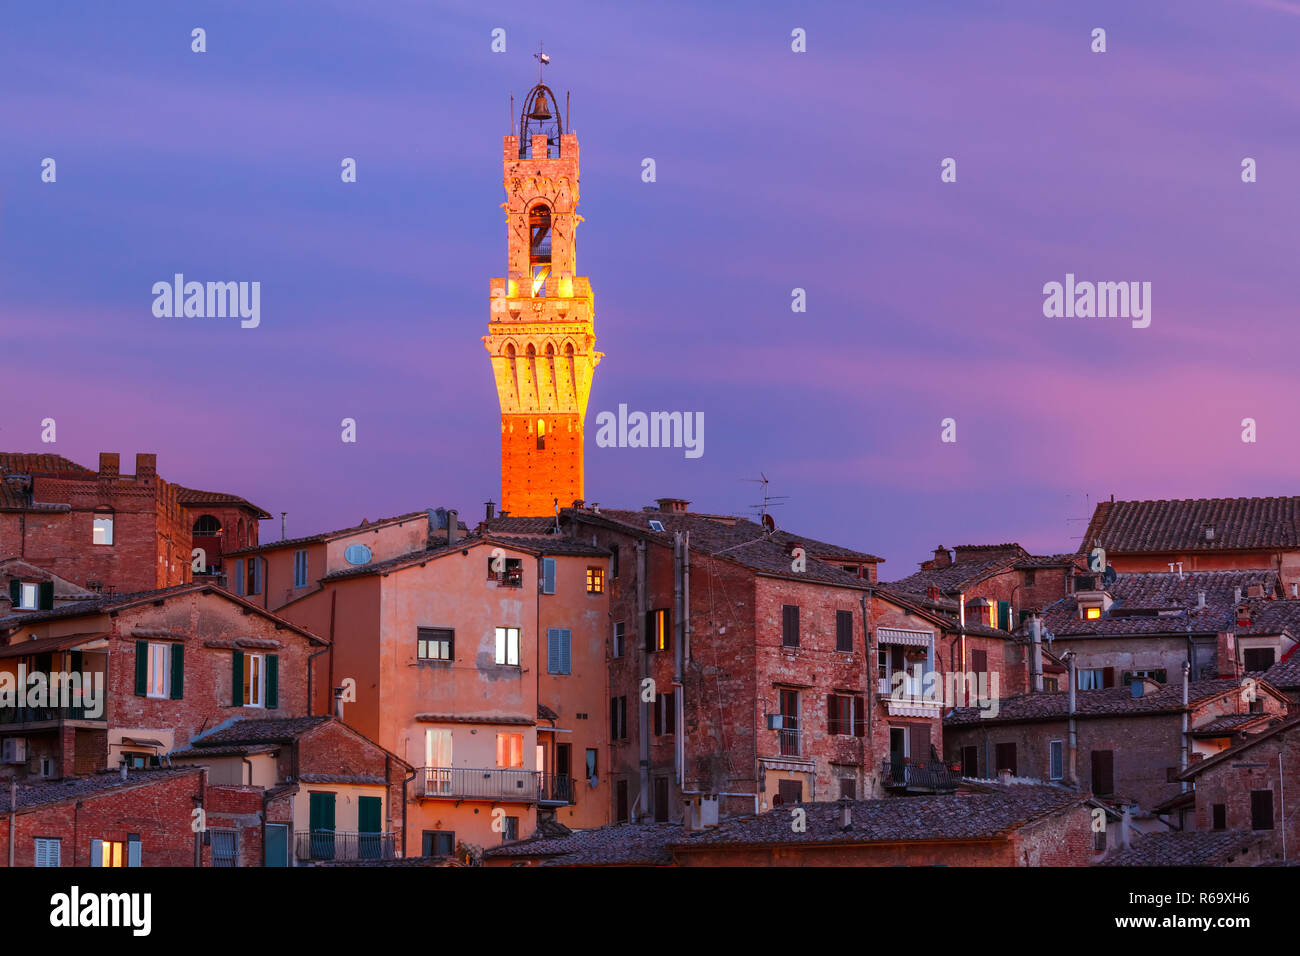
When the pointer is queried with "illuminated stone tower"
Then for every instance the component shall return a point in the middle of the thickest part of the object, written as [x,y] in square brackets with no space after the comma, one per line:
[541,335]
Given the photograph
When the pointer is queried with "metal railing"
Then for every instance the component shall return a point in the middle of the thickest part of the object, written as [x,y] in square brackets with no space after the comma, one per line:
[902,773]
[558,788]
[474,783]
[788,739]
[36,715]
[335,845]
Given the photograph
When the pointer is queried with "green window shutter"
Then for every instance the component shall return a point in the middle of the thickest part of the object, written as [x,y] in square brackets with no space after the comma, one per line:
[15,592]
[1004,615]
[141,668]
[46,603]
[178,671]
[237,679]
[369,814]
[272,681]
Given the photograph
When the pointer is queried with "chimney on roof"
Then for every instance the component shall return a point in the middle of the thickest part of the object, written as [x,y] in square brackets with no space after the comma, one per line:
[491,507]
[110,463]
[942,557]
[1243,615]
[1295,589]
[932,592]
[453,526]
[1004,777]
[1236,595]
[578,504]
[846,813]
[675,506]
[146,467]
[1200,600]
[338,702]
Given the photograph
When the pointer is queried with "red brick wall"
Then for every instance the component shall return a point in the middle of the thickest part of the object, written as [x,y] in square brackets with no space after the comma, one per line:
[1230,784]
[160,813]
[531,478]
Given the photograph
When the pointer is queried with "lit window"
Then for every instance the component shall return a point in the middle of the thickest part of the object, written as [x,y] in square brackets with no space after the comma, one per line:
[110,853]
[254,679]
[510,750]
[103,530]
[508,646]
[657,632]
[434,643]
[28,595]
[595,581]
[1093,613]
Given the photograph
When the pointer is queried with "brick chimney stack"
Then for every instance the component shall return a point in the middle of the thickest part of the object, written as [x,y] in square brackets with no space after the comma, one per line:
[110,463]
[942,557]
[675,506]
[146,467]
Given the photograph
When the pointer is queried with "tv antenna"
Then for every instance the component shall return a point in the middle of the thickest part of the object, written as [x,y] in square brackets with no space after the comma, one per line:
[543,59]
[769,502]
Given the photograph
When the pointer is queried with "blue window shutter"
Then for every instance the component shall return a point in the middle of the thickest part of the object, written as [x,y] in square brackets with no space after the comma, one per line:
[566,638]
[239,576]
[96,852]
[133,853]
[553,650]
[548,575]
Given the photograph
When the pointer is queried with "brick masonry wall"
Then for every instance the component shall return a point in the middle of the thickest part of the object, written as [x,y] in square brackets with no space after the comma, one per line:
[1231,782]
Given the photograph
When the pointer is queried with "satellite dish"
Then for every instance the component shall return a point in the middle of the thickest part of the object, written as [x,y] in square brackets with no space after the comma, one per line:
[1109,576]
[769,525]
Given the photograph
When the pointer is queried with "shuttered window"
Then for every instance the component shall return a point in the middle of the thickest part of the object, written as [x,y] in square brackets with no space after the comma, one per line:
[434,643]
[558,649]
[1103,772]
[548,575]
[789,625]
[979,661]
[620,635]
[1261,809]
[618,718]
[300,569]
[48,852]
[239,576]
[844,630]
[657,634]
[1004,758]
[1056,759]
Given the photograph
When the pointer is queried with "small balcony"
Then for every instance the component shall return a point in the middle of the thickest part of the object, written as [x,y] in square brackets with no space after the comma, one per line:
[318,845]
[556,790]
[789,742]
[903,775]
[475,783]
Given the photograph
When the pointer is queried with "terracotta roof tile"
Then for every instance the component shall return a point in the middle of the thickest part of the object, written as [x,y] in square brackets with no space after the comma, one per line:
[1185,848]
[1180,525]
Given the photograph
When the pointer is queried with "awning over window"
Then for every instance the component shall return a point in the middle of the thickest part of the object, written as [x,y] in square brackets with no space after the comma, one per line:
[894,635]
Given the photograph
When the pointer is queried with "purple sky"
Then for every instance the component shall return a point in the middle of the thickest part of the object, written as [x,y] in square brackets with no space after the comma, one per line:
[775,170]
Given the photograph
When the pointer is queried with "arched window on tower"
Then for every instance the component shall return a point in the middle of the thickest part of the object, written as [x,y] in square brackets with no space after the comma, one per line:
[539,246]
[541,434]
[207,525]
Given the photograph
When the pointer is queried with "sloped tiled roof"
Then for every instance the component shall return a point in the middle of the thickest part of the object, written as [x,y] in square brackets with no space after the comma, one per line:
[1180,525]
[192,497]
[1285,674]
[331,535]
[87,787]
[626,844]
[1104,702]
[1185,848]
[956,577]
[21,463]
[263,730]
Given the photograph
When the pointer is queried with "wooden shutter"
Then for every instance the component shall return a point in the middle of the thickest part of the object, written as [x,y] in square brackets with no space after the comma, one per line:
[613,718]
[369,815]
[15,592]
[1103,772]
[548,575]
[659,714]
[859,717]
[790,625]
[649,631]
[670,713]
[133,852]
[46,602]
[237,679]
[979,661]
[832,714]
[272,681]
[844,630]
[1261,809]
[970,761]
[141,668]
[239,576]
[178,672]
[1004,615]
[1108,680]
[920,734]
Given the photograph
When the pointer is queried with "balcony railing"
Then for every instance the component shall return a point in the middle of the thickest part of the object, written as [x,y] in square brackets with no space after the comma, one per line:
[789,742]
[38,715]
[557,789]
[900,773]
[473,783]
[334,845]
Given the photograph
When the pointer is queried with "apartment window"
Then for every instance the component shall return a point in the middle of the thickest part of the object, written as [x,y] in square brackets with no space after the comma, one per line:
[1004,756]
[31,595]
[548,575]
[620,637]
[657,633]
[438,842]
[435,643]
[508,646]
[595,580]
[970,766]
[979,661]
[591,766]
[1091,678]
[848,788]
[357,554]
[225,847]
[106,853]
[789,625]
[1257,658]
[1029,578]
[788,732]
[507,572]
[103,530]
[159,680]
[1051,684]
[620,802]
[255,566]
[613,560]
[1103,772]
[510,751]
[1055,760]
[255,679]
[239,576]
[665,714]
[845,715]
[1219,816]
[844,630]
[1261,809]
[1092,613]
[618,718]
[656,524]
[300,568]
[789,791]
[48,852]
[558,641]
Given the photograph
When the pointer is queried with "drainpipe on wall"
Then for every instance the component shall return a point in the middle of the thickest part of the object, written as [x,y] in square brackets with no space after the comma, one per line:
[311,696]
[643,728]
[13,818]
[870,682]
[1182,760]
[1074,727]
[1036,655]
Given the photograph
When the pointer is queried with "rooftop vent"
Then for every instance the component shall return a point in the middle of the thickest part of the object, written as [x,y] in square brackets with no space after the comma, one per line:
[1209,533]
